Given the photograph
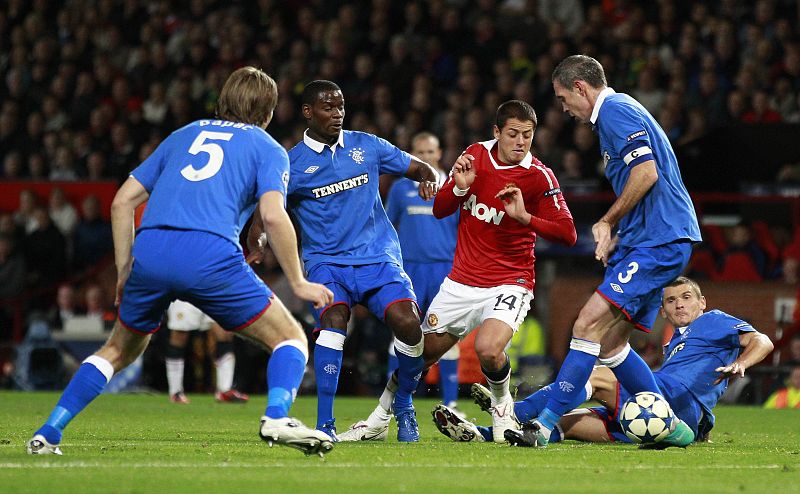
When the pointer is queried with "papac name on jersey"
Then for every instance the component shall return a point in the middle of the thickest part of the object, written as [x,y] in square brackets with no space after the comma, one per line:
[341,186]
[225,123]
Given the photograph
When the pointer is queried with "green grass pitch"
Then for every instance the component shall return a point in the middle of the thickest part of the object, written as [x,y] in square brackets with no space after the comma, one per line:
[144,444]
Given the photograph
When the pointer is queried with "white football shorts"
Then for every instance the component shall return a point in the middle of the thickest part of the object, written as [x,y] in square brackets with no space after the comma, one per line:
[183,316]
[458,309]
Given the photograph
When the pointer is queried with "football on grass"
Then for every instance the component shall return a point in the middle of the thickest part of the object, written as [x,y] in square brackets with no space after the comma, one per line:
[646,418]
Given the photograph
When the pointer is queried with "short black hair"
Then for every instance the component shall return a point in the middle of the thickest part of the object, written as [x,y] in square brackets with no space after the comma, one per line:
[515,109]
[313,89]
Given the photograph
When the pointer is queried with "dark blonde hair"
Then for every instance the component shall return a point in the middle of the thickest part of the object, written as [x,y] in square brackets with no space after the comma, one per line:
[248,96]
[683,280]
[580,68]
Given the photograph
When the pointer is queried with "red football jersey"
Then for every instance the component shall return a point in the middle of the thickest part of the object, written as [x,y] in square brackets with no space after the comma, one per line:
[494,249]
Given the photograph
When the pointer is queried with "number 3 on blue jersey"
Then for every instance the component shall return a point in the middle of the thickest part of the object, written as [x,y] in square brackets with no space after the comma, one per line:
[215,155]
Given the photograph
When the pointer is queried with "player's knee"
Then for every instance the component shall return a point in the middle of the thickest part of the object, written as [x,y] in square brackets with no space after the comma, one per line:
[586,328]
[335,318]
[491,356]
[405,326]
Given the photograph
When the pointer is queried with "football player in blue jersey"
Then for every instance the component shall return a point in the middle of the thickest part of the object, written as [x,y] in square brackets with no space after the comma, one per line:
[655,226]
[691,378]
[428,245]
[350,246]
[203,183]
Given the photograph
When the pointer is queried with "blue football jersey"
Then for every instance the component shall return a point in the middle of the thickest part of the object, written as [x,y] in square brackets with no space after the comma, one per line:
[333,195]
[423,238]
[209,176]
[710,341]
[629,135]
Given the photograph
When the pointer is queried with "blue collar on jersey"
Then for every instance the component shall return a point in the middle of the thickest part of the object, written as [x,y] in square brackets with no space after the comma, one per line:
[597,104]
[319,146]
[526,162]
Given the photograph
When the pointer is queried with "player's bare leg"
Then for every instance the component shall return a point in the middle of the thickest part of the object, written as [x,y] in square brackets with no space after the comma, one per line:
[120,350]
[490,343]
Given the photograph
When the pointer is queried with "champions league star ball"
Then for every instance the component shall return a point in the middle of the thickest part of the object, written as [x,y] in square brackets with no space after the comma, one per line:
[646,418]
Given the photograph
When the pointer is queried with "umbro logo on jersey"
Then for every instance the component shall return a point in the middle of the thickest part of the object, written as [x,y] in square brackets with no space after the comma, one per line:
[311,169]
[616,288]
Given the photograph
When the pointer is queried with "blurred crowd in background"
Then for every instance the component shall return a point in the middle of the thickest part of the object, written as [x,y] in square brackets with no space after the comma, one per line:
[89,88]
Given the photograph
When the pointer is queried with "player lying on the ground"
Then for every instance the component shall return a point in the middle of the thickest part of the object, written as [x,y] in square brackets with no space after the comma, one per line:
[691,378]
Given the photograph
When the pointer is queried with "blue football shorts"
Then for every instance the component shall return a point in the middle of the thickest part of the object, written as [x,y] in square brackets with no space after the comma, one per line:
[376,286]
[635,278]
[201,268]
[682,402]
[427,278]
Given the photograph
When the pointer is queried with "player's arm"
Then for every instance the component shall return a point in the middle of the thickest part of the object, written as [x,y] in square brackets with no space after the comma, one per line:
[454,191]
[554,221]
[283,240]
[642,178]
[131,195]
[428,179]
[256,239]
[756,346]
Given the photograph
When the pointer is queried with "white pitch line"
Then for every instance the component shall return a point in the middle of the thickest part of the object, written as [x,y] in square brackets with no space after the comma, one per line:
[35,466]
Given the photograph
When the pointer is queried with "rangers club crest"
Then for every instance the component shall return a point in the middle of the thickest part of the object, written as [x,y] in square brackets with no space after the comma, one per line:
[433,320]
[357,154]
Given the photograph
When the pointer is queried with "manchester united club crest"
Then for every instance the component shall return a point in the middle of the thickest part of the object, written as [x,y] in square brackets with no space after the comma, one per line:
[357,155]
[433,320]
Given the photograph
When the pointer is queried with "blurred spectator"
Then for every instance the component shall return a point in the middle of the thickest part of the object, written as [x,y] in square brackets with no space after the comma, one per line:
[761,111]
[45,251]
[12,166]
[63,165]
[93,239]
[788,397]
[96,306]
[65,307]
[12,268]
[62,212]
[24,215]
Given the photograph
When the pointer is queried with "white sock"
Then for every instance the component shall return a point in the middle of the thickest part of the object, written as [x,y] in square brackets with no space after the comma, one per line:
[174,375]
[225,367]
[387,397]
[501,391]
[379,416]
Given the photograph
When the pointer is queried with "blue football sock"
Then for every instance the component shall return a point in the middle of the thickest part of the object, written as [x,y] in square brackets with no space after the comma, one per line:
[532,406]
[448,379]
[327,367]
[87,383]
[284,374]
[408,373]
[631,371]
[486,432]
[571,380]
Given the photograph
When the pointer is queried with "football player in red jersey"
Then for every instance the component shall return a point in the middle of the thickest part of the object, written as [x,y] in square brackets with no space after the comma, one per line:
[506,197]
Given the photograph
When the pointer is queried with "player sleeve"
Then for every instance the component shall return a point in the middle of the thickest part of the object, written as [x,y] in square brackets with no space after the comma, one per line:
[391,159]
[553,219]
[446,202]
[629,134]
[273,171]
[150,169]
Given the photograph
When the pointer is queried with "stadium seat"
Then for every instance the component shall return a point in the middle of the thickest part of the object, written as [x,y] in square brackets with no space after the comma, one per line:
[714,236]
[738,266]
[703,264]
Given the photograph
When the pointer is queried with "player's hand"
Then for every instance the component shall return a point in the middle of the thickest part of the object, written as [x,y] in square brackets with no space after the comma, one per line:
[601,231]
[122,277]
[734,370]
[315,293]
[463,171]
[428,189]
[513,203]
[256,254]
